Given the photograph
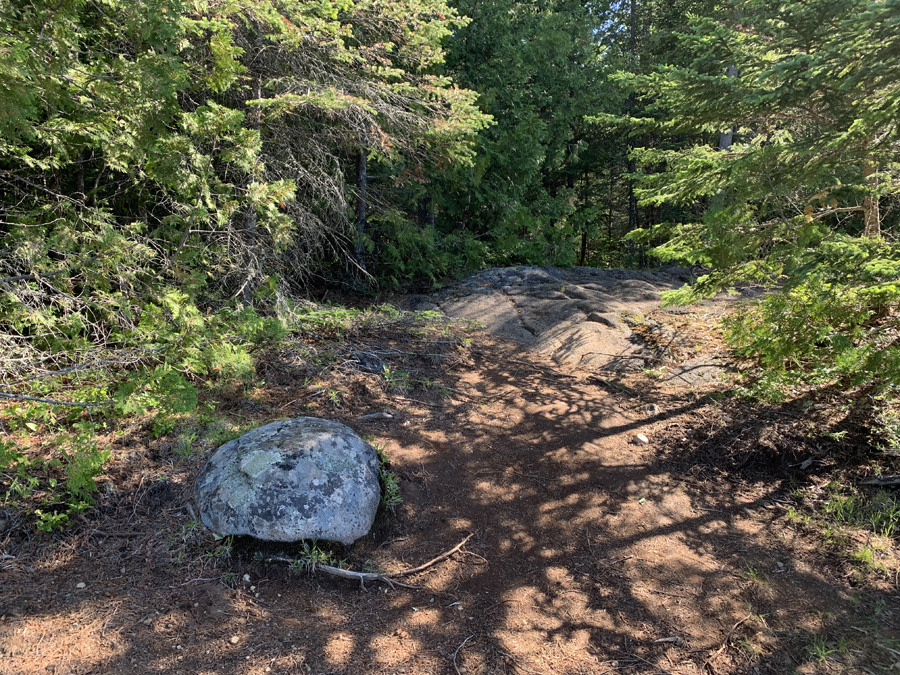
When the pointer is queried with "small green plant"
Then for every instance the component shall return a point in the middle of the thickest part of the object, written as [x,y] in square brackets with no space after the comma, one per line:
[397,381]
[747,645]
[53,489]
[755,575]
[817,648]
[878,511]
[221,434]
[223,549]
[390,485]
[49,522]
[796,516]
[312,554]
[390,491]
[866,559]
[185,448]
[188,530]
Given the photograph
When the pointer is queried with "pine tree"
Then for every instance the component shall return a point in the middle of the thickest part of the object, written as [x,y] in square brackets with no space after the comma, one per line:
[794,202]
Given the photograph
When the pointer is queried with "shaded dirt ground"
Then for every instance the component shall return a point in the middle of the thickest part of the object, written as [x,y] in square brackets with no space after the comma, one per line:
[593,553]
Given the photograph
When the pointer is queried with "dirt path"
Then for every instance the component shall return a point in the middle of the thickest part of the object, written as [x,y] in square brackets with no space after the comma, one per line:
[593,553]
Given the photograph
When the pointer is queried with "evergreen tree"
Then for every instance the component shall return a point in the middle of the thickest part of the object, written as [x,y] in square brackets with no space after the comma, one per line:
[794,202]
[160,155]
[535,68]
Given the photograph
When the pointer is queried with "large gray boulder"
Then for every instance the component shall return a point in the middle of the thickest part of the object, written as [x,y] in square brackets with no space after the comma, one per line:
[305,478]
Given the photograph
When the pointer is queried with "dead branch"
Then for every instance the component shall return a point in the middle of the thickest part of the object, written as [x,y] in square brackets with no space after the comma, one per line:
[125,360]
[19,397]
[883,480]
[433,561]
[456,653]
[412,400]
[387,578]
[708,665]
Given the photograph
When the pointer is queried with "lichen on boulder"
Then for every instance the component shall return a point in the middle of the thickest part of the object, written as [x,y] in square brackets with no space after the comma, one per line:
[305,478]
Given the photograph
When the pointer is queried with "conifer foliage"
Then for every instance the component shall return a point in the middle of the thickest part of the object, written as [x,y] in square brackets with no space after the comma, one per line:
[802,198]
[162,153]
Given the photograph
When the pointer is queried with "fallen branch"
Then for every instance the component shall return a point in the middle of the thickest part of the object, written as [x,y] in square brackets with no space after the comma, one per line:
[883,480]
[20,397]
[387,578]
[456,653]
[433,561]
[708,664]
[412,400]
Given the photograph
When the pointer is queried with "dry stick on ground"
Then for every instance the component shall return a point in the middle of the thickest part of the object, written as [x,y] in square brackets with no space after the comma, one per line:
[390,578]
[456,653]
[19,397]
[883,480]
[412,400]
[708,665]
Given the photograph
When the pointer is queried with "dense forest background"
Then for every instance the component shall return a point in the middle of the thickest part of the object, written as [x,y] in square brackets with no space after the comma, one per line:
[176,175]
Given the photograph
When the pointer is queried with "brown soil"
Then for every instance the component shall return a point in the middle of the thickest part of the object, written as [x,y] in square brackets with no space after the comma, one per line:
[592,554]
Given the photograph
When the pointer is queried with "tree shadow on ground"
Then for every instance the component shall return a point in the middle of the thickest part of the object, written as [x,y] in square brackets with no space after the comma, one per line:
[592,554]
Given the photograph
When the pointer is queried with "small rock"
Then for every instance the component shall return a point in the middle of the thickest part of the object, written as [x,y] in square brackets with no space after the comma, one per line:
[377,416]
[368,361]
[247,577]
[235,639]
[80,584]
[641,439]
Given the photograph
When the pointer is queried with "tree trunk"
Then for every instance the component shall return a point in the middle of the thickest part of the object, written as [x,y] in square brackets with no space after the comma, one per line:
[584,225]
[609,220]
[725,140]
[250,219]
[633,215]
[425,211]
[871,211]
[361,205]
[79,175]
[634,221]
[726,137]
